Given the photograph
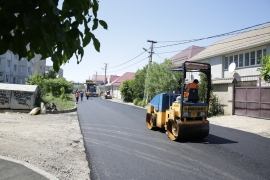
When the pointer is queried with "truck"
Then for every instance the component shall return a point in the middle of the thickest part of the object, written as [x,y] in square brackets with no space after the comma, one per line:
[182,117]
[90,86]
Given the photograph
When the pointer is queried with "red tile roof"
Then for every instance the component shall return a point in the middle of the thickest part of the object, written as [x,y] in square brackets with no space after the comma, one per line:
[186,54]
[127,75]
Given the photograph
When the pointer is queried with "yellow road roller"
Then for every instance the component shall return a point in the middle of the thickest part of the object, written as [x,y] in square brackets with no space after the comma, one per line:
[182,118]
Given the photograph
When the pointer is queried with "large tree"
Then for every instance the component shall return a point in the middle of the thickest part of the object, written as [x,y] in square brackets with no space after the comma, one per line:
[265,67]
[48,30]
[161,80]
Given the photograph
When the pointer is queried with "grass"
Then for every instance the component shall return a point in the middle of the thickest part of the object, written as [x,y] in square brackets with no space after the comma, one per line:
[69,103]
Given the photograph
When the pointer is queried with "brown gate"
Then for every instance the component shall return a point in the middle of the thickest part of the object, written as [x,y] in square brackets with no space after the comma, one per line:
[252,97]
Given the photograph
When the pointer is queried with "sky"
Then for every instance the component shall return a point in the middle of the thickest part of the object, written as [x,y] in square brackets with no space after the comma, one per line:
[131,23]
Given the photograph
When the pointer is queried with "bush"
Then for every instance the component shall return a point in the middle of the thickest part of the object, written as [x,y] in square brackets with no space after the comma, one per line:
[214,106]
[135,101]
[58,86]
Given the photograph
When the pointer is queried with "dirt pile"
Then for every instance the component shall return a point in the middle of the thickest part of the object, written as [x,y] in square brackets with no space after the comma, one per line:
[51,142]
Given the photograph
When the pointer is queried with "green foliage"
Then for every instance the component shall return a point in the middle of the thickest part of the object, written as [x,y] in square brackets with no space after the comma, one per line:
[51,75]
[265,67]
[203,87]
[126,90]
[214,106]
[160,80]
[135,101]
[49,31]
[60,104]
[139,82]
[38,80]
[54,86]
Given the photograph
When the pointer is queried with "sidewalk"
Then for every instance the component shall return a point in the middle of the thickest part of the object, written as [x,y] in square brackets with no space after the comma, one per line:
[253,125]
[18,170]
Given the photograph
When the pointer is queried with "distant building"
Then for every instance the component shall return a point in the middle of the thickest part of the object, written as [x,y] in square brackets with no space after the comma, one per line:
[15,71]
[50,68]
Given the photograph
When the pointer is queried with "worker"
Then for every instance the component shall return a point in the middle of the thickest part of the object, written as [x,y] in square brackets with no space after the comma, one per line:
[87,95]
[193,85]
[81,93]
[77,96]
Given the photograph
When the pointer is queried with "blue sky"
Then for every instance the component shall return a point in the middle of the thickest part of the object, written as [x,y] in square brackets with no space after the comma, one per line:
[132,22]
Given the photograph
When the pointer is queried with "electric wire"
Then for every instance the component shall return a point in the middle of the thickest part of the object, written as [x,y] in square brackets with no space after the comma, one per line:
[128,66]
[129,60]
[220,35]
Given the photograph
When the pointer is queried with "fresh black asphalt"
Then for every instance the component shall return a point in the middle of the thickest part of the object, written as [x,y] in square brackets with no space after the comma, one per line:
[119,146]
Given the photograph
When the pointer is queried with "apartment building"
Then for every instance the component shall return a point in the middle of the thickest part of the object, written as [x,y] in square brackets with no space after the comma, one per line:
[50,68]
[15,71]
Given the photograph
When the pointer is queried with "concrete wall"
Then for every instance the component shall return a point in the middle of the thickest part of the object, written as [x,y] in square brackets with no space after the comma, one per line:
[17,99]
[225,94]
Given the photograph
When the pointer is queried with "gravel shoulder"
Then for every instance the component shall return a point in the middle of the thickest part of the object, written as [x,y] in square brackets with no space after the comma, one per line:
[51,142]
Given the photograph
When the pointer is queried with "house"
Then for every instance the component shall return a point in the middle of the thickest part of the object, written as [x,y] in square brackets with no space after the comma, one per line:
[114,86]
[247,94]
[244,50]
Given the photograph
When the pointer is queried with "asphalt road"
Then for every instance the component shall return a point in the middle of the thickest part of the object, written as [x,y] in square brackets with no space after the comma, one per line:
[119,146]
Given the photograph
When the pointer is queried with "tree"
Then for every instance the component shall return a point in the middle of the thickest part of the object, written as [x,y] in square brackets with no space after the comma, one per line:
[51,75]
[161,80]
[203,87]
[126,89]
[139,83]
[47,30]
[265,67]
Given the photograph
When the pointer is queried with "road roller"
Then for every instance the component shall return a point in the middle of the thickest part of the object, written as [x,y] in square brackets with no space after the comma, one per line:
[182,115]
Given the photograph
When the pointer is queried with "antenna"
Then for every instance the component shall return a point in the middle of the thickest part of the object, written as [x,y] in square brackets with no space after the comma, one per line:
[232,67]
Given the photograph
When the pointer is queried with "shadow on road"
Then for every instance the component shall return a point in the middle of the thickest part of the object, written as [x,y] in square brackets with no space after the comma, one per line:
[210,139]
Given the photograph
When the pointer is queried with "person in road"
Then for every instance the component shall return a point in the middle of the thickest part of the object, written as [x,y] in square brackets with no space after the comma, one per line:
[81,93]
[77,96]
[193,85]
[88,95]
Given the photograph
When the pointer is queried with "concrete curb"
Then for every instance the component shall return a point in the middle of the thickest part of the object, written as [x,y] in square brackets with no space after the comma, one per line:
[47,111]
[29,166]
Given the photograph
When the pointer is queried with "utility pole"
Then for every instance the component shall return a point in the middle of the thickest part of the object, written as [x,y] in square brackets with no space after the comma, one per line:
[105,76]
[145,96]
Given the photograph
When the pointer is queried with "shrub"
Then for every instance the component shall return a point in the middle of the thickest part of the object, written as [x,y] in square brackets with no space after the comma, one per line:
[135,101]
[54,86]
[214,106]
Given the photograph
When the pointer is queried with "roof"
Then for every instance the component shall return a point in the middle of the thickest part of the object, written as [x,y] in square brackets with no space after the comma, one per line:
[127,75]
[18,87]
[113,78]
[222,80]
[253,38]
[99,77]
[186,54]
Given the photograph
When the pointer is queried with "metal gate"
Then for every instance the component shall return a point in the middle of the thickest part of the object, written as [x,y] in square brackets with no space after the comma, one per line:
[252,97]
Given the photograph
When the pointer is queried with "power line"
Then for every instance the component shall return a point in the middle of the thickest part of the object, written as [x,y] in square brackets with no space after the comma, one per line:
[128,60]
[130,65]
[216,43]
[220,35]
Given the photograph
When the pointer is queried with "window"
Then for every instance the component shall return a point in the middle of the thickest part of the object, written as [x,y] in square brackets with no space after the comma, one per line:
[21,67]
[0,61]
[226,65]
[246,59]
[28,69]
[8,63]
[252,58]
[259,53]
[40,67]
[21,81]
[14,80]
[15,67]
[7,78]
[236,60]
[241,60]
